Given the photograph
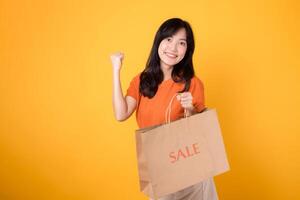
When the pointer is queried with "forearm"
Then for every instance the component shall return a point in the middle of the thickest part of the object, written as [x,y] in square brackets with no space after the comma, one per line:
[119,102]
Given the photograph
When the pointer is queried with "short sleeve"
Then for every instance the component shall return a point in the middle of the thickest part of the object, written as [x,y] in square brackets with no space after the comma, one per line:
[197,91]
[133,89]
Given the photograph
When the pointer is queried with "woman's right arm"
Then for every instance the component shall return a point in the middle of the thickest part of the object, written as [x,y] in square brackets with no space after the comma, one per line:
[123,106]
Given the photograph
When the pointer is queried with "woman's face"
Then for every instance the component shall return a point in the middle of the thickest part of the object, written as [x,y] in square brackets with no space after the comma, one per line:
[172,49]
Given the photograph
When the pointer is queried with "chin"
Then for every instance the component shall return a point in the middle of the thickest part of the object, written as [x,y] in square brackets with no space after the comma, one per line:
[172,64]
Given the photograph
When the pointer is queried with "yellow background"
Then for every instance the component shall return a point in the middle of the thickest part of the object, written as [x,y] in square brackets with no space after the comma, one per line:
[58,136]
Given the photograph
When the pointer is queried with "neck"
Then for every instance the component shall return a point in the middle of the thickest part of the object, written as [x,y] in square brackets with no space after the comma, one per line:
[167,71]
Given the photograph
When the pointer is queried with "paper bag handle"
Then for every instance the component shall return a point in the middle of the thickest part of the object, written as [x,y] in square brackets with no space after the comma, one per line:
[169,109]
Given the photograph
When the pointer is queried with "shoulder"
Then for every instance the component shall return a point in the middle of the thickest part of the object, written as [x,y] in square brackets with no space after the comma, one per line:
[133,88]
[196,82]
[136,79]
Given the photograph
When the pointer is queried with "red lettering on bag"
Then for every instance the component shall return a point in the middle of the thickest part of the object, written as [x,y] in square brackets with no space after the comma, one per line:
[184,153]
[173,157]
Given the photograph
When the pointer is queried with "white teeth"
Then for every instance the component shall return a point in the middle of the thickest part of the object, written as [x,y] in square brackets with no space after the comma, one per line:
[171,55]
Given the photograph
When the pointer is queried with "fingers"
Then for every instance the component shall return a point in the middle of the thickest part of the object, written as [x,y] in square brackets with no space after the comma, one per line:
[185,99]
[117,55]
[116,59]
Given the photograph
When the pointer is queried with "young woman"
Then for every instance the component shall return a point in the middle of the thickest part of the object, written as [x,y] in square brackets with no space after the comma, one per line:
[169,71]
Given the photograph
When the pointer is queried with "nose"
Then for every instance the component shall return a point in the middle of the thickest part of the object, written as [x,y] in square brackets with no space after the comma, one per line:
[173,46]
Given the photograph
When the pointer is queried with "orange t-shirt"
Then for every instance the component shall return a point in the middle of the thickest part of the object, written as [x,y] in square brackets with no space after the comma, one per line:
[152,111]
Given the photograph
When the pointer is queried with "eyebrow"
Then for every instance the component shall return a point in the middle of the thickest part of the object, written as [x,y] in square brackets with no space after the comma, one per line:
[180,38]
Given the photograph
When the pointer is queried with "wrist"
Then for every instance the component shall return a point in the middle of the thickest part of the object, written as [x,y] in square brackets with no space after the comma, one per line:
[190,111]
[116,70]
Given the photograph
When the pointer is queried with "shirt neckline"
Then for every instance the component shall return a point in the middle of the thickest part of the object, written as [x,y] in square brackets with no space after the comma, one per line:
[168,80]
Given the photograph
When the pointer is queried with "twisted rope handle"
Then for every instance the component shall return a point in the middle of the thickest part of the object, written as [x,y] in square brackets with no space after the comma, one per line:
[169,109]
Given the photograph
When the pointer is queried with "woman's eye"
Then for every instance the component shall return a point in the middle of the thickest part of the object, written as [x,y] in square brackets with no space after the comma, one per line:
[168,39]
[183,43]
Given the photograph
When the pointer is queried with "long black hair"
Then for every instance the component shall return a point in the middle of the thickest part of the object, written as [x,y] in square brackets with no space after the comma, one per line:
[182,72]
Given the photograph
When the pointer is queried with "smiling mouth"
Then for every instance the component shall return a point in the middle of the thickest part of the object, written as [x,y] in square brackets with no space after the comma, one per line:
[170,55]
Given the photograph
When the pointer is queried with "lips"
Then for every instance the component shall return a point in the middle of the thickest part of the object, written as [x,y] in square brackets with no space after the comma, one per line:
[170,55]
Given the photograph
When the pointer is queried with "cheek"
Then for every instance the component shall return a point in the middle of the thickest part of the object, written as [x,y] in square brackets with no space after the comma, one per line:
[160,51]
[182,51]
[162,46]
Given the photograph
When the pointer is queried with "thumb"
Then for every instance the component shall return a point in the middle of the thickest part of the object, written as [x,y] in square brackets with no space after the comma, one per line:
[178,96]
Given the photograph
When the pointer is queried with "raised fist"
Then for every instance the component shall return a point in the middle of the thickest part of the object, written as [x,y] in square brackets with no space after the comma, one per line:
[116,60]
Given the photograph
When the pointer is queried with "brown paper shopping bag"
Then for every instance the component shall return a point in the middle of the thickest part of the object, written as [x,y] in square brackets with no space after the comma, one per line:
[179,154]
